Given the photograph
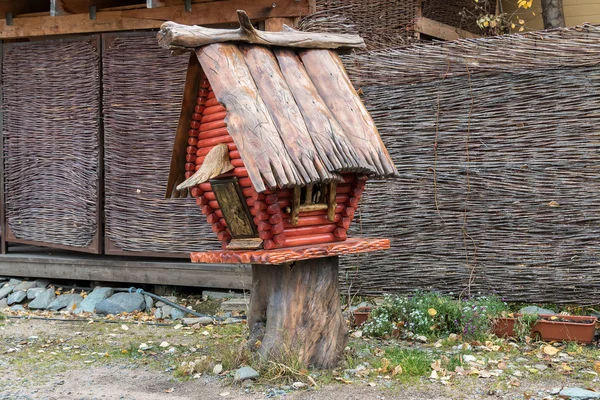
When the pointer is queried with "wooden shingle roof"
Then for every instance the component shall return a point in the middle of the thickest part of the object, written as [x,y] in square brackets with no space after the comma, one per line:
[293,114]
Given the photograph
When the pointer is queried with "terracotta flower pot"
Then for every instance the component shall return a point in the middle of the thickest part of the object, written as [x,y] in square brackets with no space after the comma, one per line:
[361,315]
[570,328]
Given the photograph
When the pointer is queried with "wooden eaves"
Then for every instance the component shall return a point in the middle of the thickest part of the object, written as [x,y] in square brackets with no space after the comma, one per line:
[60,17]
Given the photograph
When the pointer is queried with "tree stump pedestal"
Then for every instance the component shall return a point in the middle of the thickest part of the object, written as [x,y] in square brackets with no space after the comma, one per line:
[295,311]
[295,308]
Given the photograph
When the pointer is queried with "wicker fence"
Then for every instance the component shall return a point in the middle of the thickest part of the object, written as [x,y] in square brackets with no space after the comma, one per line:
[143,87]
[498,146]
[51,94]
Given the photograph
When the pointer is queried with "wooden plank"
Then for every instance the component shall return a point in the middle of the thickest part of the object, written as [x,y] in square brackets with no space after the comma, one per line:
[326,72]
[17,7]
[112,269]
[334,148]
[331,202]
[261,148]
[285,113]
[276,24]
[190,93]
[438,30]
[166,3]
[234,208]
[151,18]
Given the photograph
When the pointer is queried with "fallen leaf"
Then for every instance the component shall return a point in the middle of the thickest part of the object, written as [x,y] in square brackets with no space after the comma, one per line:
[356,334]
[566,368]
[343,380]
[372,384]
[597,366]
[484,374]
[385,363]
[432,312]
[397,370]
[436,365]
[124,327]
[434,375]
[171,390]
[550,350]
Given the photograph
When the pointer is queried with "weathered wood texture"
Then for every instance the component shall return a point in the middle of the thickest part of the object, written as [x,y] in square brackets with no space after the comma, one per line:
[190,92]
[215,163]
[286,132]
[51,101]
[24,261]
[176,36]
[333,85]
[291,254]
[295,312]
[207,13]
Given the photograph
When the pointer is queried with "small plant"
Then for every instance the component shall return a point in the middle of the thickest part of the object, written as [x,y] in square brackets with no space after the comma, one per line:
[524,324]
[433,314]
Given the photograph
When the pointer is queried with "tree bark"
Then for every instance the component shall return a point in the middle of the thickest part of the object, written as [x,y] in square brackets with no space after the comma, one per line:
[295,312]
[553,14]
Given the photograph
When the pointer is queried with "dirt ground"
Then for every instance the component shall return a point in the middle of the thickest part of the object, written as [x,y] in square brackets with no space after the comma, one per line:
[57,360]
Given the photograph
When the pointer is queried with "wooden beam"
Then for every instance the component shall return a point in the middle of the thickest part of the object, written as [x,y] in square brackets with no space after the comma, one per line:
[17,7]
[165,3]
[438,30]
[151,18]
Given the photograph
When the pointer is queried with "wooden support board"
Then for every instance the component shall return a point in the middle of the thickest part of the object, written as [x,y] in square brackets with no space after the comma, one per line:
[48,264]
[291,254]
[209,13]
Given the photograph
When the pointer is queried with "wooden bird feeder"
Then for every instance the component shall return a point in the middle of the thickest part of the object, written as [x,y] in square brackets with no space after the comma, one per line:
[276,147]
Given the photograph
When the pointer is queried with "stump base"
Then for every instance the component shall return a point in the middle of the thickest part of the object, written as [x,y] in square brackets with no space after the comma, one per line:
[295,312]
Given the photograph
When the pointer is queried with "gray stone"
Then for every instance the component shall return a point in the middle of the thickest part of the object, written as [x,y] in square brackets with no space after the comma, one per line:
[33,292]
[24,286]
[5,291]
[172,299]
[166,311]
[158,314]
[16,297]
[160,304]
[121,302]
[579,394]
[245,373]
[17,307]
[149,302]
[14,282]
[218,295]
[235,305]
[535,310]
[66,301]
[96,296]
[177,314]
[43,300]
[540,367]
[42,283]
[198,320]
[3,304]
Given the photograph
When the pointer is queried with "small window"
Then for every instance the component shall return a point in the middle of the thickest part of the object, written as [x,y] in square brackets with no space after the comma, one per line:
[315,197]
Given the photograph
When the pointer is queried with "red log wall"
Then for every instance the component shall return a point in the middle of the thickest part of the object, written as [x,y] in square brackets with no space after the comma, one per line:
[271,209]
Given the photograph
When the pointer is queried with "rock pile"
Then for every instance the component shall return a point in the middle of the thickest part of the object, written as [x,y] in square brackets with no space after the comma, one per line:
[39,294]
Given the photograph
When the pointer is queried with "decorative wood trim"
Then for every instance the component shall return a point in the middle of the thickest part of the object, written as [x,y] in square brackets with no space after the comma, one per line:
[150,18]
[215,163]
[331,203]
[190,93]
[296,205]
[438,30]
[291,254]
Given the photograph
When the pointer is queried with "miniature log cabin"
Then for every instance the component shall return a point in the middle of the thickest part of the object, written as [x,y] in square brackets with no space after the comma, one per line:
[276,146]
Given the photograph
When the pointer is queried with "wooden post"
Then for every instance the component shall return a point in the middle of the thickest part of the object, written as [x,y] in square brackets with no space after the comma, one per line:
[295,312]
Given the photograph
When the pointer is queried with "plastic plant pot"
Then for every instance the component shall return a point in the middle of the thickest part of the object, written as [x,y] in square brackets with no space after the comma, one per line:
[361,315]
[568,328]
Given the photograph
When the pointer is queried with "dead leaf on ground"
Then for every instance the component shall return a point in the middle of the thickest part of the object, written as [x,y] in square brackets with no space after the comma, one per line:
[550,350]
[397,370]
